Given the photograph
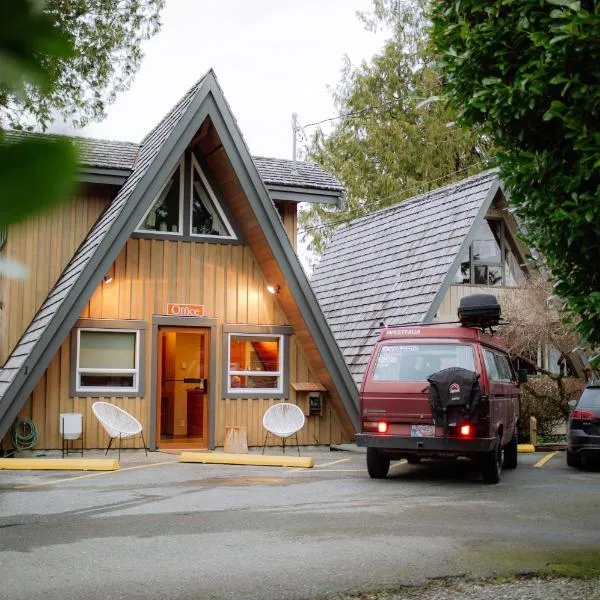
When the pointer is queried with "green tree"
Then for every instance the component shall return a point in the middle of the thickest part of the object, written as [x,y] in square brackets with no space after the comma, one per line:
[528,72]
[393,143]
[105,38]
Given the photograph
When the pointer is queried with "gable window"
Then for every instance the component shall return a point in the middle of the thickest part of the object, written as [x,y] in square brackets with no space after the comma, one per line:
[107,362]
[490,260]
[166,214]
[187,207]
[207,217]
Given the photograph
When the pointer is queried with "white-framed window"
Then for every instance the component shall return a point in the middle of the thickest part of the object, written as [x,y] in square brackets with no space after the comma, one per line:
[255,364]
[165,215]
[207,218]
[107,361]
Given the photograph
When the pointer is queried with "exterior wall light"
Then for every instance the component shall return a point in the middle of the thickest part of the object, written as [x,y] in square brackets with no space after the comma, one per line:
[108,278]
[273,289]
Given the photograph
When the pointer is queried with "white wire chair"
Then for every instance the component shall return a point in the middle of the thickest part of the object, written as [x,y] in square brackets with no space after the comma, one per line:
[119,424]
[283,420]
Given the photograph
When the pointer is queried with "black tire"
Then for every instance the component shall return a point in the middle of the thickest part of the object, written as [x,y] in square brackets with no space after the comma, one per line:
[413,460]
[377,465]
[573,459]
[492,464]
[510,453]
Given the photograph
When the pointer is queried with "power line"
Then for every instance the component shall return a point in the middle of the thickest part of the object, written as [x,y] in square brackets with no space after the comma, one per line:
[362,111]
[390,197]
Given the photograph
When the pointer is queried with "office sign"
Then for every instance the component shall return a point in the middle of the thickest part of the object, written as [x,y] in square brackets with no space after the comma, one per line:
[185,310]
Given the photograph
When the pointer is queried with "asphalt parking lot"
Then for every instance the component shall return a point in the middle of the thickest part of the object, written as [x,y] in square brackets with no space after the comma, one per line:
[161,529]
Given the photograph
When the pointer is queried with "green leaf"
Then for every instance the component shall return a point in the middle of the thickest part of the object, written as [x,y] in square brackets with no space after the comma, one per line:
[34,175]
[491,80]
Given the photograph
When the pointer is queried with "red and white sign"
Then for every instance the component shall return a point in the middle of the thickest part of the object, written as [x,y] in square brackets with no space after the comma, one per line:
[185,310]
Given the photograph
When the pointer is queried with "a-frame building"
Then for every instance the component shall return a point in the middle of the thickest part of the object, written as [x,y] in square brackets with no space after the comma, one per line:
[163,305]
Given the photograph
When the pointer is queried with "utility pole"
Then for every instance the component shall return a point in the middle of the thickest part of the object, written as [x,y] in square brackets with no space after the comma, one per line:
[295,129]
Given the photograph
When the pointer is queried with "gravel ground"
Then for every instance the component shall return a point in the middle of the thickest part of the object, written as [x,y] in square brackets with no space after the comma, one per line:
[522,589]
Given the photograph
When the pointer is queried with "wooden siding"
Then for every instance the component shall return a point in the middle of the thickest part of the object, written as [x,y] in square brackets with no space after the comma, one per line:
[44,244]
[228,281]
[449,306]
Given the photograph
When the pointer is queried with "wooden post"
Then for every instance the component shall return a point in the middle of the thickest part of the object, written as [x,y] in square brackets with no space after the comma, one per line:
[532,430]
[236,440]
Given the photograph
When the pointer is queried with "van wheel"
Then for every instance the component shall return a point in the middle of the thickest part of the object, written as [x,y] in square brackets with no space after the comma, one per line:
[377,465]
[492,464]
[413,460]
[573,459]
[510,453]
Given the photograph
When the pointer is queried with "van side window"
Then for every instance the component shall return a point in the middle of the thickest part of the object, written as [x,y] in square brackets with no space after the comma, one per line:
[492,365]
[504,367]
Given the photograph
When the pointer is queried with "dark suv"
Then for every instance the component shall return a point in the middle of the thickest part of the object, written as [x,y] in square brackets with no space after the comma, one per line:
[583,438]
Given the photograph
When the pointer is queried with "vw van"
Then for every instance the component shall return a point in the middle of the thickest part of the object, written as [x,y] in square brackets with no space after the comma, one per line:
[441,391]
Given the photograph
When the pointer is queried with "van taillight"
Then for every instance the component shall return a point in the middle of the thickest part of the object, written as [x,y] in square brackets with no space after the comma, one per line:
[582,415]
[382,427]
[465,430]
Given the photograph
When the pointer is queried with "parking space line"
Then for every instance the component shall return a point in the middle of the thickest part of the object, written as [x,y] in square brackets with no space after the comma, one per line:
[334,462]
[540,463]
[97,474]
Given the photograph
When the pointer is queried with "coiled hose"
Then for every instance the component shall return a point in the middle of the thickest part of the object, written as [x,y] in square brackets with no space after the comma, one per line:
[24,435]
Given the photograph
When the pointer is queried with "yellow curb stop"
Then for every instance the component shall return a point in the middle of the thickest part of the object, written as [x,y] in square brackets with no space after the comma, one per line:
[59,464]
[247,459]
[525,448]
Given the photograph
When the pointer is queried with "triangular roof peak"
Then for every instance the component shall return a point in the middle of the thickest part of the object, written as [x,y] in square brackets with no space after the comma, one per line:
[392,265]
[159,152]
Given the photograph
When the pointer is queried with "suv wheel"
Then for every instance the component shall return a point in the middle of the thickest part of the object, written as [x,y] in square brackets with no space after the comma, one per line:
[492,463]
[377,465]
[510,453]
[573,459]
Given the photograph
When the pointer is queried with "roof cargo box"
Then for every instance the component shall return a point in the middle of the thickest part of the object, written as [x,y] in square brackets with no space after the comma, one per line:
[479,310]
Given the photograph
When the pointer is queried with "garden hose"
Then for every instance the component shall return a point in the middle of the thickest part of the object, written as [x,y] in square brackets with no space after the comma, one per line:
[24,435]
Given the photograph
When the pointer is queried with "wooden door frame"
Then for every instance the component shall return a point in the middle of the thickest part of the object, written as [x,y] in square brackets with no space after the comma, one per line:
[184,322]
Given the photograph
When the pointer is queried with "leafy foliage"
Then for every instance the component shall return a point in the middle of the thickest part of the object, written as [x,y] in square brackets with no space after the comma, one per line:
[104,40]
[528,72]
[33,172]
[394,142]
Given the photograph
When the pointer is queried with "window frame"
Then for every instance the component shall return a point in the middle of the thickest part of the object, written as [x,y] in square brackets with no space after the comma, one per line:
[180,233]
[283,332]
[195,165]
[108,326]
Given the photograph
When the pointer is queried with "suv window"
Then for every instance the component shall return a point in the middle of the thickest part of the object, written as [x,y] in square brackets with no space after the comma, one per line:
[504,367]
[590,398]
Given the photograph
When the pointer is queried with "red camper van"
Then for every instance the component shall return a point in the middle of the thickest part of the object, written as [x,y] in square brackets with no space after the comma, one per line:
[441,391]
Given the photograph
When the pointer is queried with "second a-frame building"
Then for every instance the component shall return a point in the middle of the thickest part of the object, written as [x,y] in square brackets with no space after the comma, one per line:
[170,287]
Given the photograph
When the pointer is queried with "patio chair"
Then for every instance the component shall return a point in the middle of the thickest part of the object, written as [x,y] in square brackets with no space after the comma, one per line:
[283,420]
[118,423]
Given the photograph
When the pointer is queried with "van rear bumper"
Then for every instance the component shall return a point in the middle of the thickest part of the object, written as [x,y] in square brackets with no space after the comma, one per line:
[420,444]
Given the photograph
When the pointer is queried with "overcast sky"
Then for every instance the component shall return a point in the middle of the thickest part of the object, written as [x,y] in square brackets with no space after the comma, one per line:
[272,58]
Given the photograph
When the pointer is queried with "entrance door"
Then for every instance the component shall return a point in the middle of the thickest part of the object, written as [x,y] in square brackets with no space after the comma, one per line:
[182,387]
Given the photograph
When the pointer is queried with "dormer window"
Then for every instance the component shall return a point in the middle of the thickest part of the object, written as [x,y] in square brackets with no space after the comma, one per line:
[490,260]
[187,211]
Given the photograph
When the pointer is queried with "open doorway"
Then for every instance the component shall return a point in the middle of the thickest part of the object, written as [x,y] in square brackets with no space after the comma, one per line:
[182,387]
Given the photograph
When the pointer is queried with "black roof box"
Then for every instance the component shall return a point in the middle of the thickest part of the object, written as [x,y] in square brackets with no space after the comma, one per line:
[479,310]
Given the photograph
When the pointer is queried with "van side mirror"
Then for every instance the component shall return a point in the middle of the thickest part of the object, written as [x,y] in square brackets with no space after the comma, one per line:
[522,376]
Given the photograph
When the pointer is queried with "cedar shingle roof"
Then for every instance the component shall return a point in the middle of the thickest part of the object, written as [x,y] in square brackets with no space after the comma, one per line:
[109,154]
[389,265]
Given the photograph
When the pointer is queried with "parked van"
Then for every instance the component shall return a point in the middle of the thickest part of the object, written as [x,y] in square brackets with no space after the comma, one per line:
[441,391]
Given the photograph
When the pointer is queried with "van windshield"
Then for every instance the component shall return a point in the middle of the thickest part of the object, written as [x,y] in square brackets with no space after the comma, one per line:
[416,362]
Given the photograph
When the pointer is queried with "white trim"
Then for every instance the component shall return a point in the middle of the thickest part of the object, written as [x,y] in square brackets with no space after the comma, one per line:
[216,204]
[138,229]
[278,374]
[135,372]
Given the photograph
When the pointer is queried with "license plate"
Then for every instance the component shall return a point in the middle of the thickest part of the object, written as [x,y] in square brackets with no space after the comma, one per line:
[422,430]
